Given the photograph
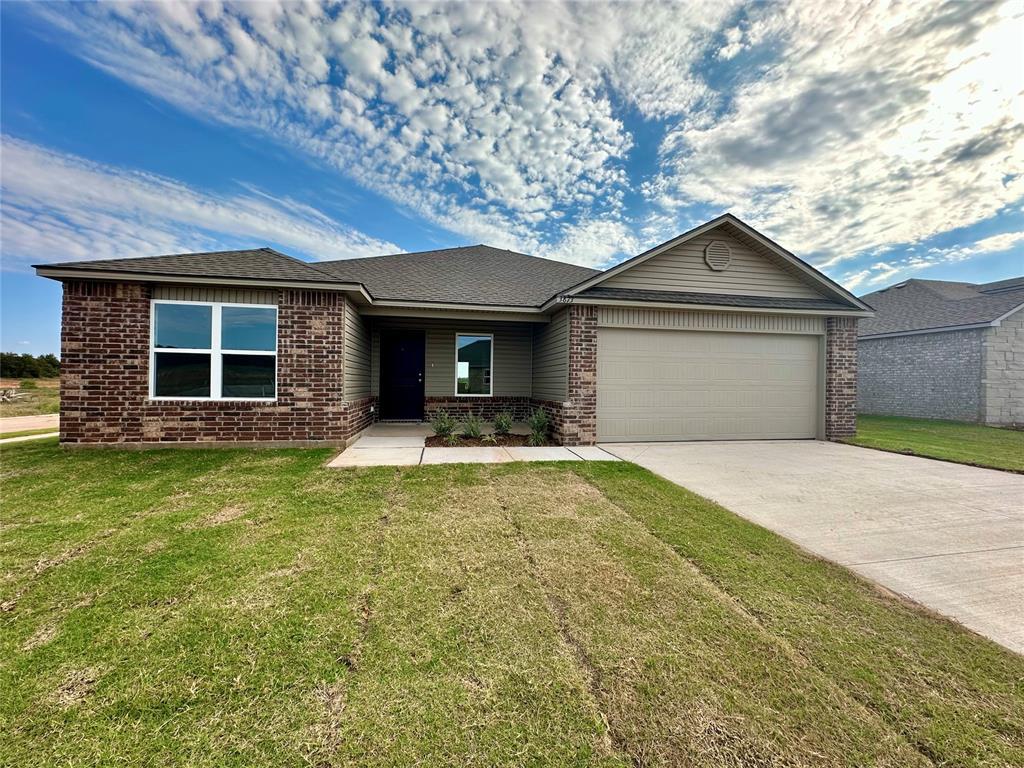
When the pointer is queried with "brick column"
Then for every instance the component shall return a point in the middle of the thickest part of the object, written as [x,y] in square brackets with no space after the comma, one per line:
[840,377]
[579,423]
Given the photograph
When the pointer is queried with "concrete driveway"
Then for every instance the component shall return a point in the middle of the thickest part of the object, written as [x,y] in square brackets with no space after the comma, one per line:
[946,535]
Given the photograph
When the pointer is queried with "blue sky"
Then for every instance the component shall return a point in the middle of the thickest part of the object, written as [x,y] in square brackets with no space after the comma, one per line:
[582,132]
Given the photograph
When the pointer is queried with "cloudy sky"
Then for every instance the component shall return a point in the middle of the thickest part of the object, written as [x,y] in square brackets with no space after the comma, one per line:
[878,141]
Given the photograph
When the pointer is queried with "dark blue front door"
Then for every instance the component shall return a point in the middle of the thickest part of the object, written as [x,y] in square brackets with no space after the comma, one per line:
[401,374]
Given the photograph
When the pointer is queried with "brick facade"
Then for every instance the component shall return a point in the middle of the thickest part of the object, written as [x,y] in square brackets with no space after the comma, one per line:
[484,407]
[840,377]
[105,376]
[925,375]
[574,422]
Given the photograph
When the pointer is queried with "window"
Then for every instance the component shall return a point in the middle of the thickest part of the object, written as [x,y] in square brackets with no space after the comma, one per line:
[473,358]
[213,351]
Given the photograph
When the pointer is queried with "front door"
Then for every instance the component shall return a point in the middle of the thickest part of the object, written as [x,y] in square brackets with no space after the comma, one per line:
[401,375]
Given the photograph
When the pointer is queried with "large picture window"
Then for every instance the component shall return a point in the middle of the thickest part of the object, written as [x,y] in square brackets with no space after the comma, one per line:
[213,351]
[473,359]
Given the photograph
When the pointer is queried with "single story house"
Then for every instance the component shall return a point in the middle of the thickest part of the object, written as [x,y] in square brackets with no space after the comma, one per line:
[716,334]
[944,350]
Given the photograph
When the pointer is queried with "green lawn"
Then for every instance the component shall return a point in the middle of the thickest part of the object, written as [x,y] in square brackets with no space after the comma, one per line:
[41,396]
[949,440]
[249,608]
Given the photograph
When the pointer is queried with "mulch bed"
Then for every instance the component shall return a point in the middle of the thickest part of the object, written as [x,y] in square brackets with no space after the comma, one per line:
[475,442]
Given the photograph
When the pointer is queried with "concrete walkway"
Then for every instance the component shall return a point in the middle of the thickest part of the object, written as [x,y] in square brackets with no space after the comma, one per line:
[402,445]
[25,423]
[949,536]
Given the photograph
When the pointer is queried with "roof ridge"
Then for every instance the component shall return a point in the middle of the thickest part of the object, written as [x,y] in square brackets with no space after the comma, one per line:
[307,264]
[462,248]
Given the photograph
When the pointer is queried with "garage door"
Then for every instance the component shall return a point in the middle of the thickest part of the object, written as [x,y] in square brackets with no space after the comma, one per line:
[698,385]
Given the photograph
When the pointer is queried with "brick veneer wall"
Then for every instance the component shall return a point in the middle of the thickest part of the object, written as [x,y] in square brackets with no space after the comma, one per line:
[105,385]
[927,375]
[574,422]
[484,407]
[840,377]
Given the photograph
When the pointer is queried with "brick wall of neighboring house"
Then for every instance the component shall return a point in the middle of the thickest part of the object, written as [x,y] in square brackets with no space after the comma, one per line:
[574,422]
[926,375]
[484,407]
[1002,384]
[840,377]
[105,385]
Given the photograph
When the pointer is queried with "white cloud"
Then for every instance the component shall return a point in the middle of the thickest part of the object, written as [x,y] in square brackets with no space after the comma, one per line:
[58,207]
[906,124]
[884,271]
[505,121]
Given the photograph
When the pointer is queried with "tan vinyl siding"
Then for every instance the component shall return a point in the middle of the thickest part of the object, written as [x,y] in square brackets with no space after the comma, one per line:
[551,358]
[696,320]
[357,354]
[683,269]
[513,354]
[211,293]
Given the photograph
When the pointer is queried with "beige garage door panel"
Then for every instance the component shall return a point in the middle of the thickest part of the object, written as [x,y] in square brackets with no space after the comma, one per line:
[699,385]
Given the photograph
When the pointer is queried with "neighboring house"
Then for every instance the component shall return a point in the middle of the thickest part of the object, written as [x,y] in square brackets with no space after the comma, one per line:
[942,350]
[716,334]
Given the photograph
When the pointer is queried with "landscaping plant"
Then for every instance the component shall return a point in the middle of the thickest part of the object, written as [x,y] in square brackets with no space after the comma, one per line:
[443,424]
[473,426]
[540,426]
[503,423]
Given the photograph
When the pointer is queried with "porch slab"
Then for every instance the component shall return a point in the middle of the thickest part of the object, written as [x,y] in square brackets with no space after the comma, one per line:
[546,453]
[465,456]
[377,457]
[398,429]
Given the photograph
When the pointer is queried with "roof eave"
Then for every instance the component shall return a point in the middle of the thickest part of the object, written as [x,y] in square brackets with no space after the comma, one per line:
[851,312]
[80,273]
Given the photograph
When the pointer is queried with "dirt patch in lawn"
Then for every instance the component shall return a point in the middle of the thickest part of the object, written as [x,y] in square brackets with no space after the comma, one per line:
[77,685]
[42,636]
[224,515]
[500,441]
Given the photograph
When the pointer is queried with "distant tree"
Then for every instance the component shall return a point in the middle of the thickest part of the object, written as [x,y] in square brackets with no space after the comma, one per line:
[15,366]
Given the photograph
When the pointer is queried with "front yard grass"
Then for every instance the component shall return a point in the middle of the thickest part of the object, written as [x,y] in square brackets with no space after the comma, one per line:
[234,607]
[949,440]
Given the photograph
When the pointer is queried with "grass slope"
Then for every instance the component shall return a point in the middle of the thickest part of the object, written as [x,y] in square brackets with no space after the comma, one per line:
[253,608]
[950,440]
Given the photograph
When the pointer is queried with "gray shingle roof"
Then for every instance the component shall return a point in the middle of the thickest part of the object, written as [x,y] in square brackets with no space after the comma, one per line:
[720,299]
[255,264]
[474,274]
[917,305]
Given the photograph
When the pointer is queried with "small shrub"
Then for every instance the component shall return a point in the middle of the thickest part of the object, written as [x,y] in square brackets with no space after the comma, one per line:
[451,440]
[490,439]
[443,424]
[29,384]
[473,426]
[503,423]
[540,426]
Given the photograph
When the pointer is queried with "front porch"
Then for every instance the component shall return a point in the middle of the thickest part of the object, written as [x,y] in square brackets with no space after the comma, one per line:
[409,368]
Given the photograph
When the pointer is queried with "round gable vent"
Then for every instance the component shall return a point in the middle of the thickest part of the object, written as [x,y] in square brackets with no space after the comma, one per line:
[718,254]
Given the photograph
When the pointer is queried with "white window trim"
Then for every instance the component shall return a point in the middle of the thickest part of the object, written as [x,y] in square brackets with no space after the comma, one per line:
[490,392]
[216,352]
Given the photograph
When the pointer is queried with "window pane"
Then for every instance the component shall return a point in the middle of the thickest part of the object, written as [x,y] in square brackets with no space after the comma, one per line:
[183,326]
[248,328]
[248,376]
[473,365]
[181,374]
